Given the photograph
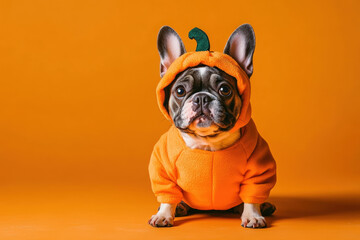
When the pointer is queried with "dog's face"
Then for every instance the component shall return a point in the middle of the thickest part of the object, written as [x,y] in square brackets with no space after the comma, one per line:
[204,100]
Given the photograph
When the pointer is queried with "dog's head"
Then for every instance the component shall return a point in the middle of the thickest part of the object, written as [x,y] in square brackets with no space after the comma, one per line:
[204,100]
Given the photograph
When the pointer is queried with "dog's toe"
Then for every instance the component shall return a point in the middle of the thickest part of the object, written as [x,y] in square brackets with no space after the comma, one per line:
[252,223]
[152,220]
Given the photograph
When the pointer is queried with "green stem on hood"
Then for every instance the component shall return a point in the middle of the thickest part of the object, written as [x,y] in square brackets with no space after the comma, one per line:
[201,38]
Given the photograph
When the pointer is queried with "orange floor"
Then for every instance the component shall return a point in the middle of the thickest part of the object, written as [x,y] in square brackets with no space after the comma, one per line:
[108,212]
[78,106]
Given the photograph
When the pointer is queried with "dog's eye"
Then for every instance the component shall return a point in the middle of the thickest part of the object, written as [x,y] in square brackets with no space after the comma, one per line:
[180,91]
[225,90]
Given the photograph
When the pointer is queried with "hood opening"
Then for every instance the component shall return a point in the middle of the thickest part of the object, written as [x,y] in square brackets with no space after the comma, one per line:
[212,59]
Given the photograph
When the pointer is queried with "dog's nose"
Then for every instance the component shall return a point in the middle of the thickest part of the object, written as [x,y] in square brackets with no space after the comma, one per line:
[201,100]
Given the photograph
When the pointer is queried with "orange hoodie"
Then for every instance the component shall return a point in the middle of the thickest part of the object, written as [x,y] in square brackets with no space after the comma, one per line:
[220,180]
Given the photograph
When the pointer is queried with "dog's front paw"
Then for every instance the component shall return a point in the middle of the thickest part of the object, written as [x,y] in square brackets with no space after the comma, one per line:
[161,220]
[251,216]
[253,221]
[164,217]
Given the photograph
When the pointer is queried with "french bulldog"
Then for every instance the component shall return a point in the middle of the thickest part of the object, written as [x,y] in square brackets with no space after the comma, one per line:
[204,104]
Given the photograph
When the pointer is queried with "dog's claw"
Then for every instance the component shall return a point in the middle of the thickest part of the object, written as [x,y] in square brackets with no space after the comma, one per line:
[244,224]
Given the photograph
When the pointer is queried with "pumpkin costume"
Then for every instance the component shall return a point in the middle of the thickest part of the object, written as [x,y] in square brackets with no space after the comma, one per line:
[205,180]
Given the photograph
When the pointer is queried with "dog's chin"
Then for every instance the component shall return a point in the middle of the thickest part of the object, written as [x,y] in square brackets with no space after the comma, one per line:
[203,126]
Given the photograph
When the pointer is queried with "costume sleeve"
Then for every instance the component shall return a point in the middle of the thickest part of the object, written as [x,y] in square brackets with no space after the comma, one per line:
[260,174]
[162,177]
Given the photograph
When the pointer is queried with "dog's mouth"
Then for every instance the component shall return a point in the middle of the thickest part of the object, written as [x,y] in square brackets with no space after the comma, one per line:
[202,125]
[202,121]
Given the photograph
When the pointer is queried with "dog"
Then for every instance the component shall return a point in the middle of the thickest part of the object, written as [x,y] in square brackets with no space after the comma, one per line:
[212,158]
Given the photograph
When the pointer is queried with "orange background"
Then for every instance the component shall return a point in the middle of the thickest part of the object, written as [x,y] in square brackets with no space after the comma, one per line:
[78,114]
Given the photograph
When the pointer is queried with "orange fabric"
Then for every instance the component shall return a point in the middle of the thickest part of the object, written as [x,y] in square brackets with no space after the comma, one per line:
[244,172]
[211,59]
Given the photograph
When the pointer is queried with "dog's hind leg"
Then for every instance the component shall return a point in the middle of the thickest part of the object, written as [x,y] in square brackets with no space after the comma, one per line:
[266,209]
[182,209]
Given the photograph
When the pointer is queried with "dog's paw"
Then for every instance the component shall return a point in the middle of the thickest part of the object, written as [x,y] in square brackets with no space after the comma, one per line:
[253,221]
[251,216]
[161,220]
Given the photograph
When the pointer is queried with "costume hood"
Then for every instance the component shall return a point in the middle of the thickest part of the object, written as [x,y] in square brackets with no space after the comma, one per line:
[212,59]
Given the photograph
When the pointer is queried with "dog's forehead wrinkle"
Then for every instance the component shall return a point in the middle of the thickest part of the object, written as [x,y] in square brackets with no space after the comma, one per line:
[215,78]
[185,78]
[201,74]
[182,75]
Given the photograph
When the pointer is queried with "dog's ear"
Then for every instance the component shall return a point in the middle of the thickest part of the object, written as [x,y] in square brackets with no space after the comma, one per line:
[170,47]
[241,46]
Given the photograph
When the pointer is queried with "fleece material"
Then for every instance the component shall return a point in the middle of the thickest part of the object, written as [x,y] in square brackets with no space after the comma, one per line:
[219,180]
